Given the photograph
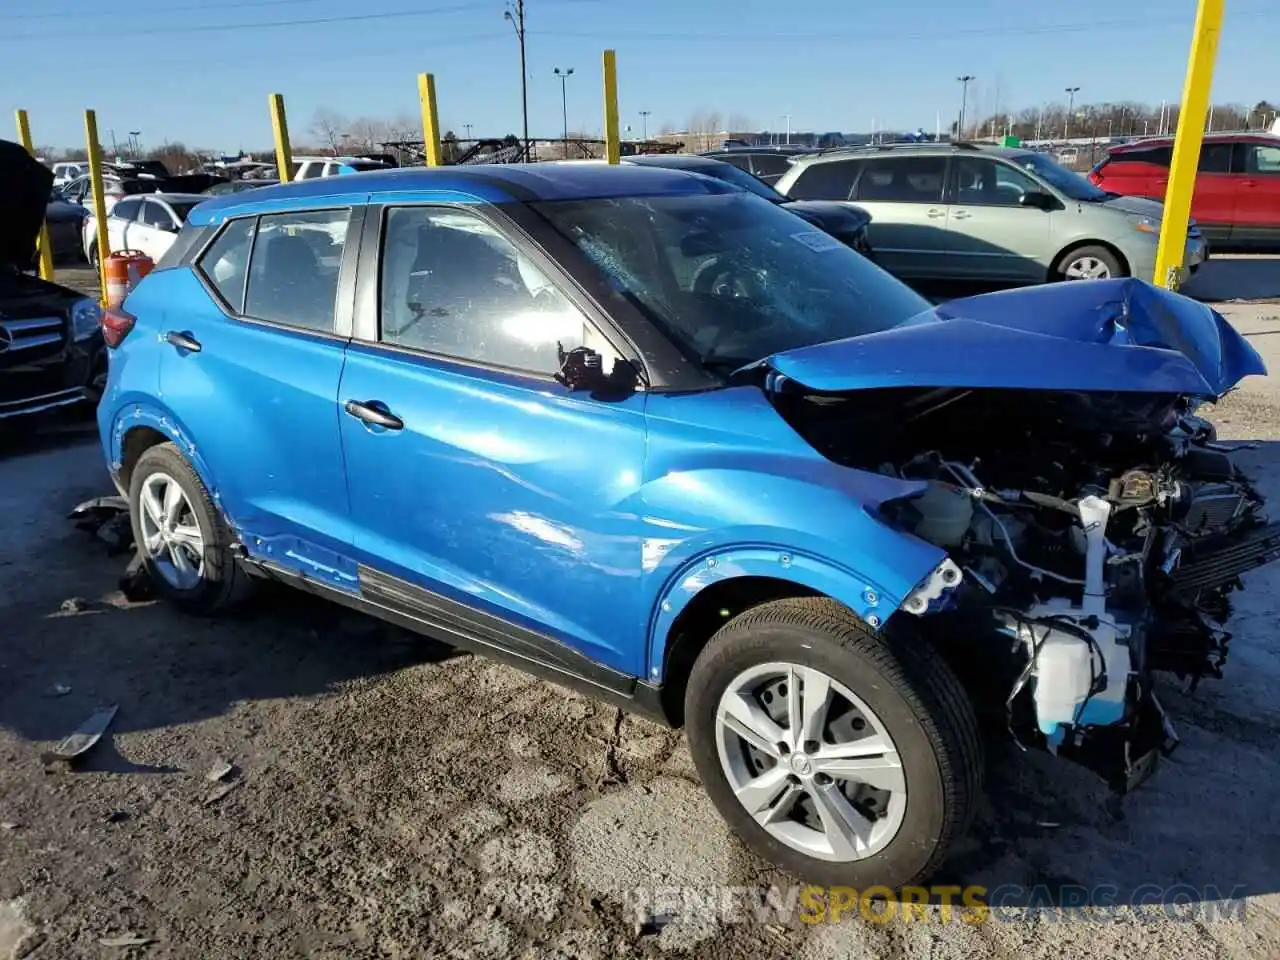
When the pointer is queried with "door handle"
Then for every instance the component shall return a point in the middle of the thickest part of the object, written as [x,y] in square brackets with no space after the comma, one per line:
[1248,183]
[936,214]
[183,341]
[961,214]
[370,414]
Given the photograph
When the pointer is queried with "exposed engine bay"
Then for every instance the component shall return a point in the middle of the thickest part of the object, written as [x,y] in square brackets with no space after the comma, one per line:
[1092,540]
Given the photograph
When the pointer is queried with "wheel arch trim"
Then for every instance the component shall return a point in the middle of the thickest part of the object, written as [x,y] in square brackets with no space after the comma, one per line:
[860,593]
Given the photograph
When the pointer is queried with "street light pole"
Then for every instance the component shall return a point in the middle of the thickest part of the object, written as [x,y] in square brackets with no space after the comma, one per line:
[787,118]
[564,76]
[1071,106]
[644,124]
[964,102]
[515,14]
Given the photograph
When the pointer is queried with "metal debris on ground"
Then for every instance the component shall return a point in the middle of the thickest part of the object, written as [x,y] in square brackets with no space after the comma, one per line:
[220,771]
[107,518]
[85,736]
[128,940]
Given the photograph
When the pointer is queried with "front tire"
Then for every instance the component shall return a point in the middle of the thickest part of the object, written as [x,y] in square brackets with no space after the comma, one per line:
[181,537]
[843,755]
[1090,263]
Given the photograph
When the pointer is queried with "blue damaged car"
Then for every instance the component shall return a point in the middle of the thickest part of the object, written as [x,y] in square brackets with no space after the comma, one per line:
[645,434]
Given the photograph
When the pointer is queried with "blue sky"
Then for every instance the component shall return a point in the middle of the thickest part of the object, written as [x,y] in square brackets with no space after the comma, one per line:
[201,73]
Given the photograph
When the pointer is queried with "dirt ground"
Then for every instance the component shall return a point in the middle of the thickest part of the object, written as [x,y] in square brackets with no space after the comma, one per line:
[393,799]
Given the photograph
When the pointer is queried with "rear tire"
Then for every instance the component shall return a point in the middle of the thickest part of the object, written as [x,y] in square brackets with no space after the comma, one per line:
[180,535]
[885,715]
[1090,263]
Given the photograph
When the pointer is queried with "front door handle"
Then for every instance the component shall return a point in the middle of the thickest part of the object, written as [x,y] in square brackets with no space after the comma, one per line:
[183,341]
[371,414]
[936,214]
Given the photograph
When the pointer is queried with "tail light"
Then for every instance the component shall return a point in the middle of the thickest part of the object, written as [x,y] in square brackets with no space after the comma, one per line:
[1095,177]
[116,324]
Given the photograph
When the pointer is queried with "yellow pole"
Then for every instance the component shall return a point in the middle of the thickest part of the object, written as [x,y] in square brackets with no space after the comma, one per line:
[280,129]
[46,251]
[430,119]
[612,146]
[1186,145]
[99,200]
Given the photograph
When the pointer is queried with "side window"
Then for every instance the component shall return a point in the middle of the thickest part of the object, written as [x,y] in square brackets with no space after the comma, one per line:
[825,181]
[769,164]
[127,209]
[1265,160]
[154,215]
[293,272]
[902,180]
[983,181]
[1215,158]
[226,262]
[1159,156]
[453,285]
[740,160]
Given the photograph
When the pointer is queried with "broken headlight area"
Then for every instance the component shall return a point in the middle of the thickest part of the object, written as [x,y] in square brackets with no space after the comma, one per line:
[1092,541]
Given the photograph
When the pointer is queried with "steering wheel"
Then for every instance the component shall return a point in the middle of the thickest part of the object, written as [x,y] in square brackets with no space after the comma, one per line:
[722,277]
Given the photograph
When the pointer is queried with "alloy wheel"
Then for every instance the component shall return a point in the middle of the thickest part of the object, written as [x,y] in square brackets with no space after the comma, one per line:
[170,533]
[810,762]
[1087,268]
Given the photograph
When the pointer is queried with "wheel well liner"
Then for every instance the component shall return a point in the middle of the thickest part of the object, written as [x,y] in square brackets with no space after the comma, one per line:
[137,441]
[698,622]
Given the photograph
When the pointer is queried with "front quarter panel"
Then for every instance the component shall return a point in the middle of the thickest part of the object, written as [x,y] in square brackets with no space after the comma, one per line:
[732,491]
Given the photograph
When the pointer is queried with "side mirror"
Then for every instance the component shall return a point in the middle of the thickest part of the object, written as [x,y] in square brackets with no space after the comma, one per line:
[1039,200]
[583,369]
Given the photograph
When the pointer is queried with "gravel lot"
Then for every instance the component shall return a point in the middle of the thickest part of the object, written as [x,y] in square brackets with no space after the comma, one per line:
[394,799]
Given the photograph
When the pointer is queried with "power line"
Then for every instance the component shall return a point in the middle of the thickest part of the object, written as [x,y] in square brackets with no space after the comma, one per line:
[696,36]
[158,12]
[260,24]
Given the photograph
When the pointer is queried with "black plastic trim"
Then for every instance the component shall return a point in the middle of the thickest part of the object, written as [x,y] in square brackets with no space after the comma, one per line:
[456,624]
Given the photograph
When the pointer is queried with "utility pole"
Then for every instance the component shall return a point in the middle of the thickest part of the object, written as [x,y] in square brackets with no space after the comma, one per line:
[515,14]
[787,117]
[964,102]
[644,124]
[564,76]
[467,127]
[1071,106]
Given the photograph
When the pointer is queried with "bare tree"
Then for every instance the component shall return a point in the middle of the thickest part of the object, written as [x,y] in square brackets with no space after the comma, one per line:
[328,125]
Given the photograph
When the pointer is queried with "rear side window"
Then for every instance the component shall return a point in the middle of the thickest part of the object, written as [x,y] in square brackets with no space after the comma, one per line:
[1264,159]
[1158,156]
[825,181]
[127,209]
[740,160]
[293,270]
[1215,158]
[225,264]
[903,180]
[770,164]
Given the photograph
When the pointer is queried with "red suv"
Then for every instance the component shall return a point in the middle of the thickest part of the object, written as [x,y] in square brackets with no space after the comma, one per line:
[1237,198]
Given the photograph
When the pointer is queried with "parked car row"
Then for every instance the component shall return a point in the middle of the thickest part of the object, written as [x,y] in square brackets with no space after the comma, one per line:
[655,437]
[969,212]
[1237,192]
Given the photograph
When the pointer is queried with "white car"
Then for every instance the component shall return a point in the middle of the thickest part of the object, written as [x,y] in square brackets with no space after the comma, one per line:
[64,173]
[310,168]
[149,223]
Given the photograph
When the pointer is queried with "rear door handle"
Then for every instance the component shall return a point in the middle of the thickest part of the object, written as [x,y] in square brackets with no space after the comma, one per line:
[371,414]
[936,214]
[961,214]
[183,341]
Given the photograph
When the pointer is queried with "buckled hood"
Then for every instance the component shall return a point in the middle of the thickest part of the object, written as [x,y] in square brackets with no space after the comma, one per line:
[23,198]
[1099,335]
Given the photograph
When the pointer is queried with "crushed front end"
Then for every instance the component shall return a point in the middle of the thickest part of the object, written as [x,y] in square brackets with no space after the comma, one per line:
[1093,540]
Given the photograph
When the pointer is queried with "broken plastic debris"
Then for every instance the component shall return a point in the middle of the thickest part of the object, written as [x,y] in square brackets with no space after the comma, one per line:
[128,940]
[8,825]
[221,792]
[58,690]
[89,733]
[220,771]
